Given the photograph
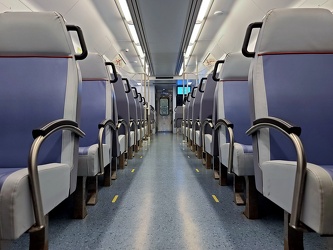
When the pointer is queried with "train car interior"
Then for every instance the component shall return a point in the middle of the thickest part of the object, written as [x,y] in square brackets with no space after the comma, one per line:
[166,124]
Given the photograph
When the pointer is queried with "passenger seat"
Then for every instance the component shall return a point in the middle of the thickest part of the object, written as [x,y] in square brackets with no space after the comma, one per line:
[39,99]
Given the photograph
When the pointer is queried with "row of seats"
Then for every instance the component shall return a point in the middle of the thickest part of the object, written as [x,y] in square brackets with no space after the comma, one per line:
[260,95]
[50,96]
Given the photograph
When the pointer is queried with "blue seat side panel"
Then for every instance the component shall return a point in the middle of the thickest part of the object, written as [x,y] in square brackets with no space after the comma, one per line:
[237,108]
[93,110]
[32,95]
[302,96]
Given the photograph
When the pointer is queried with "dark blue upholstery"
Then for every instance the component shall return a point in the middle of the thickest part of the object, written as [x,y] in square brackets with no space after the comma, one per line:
[206,111]
[93,110]
[197,104]
[207,101]
[122,102]
[236,108]
[178,116]
[132,106]
[187,106]
[302,98]
[23,109]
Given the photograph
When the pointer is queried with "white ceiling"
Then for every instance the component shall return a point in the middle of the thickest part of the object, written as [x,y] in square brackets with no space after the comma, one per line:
[164,22]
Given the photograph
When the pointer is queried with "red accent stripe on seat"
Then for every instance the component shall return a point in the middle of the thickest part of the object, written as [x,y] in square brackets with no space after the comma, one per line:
[35,56]
[293,53]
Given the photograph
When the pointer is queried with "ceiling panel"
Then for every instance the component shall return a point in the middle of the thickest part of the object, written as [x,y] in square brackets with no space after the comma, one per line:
[60,6]
[164,23]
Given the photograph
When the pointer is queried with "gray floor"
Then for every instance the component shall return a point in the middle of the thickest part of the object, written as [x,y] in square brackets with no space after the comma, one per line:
[166,204]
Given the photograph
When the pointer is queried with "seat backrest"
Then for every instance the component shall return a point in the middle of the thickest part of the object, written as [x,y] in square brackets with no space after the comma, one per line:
[137,106]
[122,102]
[178,116]
[140,106]
[186,103]
[233,97]
[207,108]
[190,106]
[132,105]
[96,103]
[291,78]
[39,81]
[207,100]
[197,100]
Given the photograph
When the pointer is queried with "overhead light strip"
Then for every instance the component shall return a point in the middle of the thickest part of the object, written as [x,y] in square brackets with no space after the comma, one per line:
[125,10]
[203,12]
[131,28]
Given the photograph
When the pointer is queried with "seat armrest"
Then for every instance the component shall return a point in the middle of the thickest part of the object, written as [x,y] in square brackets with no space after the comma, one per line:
[101,126]
[224,122]
[206,122]
[293,133]
[122,122]
[230,127]
[40,135]
[107,122]
[57,125]
[286,127]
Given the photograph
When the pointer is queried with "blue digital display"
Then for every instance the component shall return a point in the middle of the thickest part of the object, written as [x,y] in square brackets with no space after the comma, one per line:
[181,90]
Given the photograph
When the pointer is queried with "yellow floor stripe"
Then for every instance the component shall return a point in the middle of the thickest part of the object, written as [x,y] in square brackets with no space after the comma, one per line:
[133,170]
[215,198]
[197,170]
[115,198]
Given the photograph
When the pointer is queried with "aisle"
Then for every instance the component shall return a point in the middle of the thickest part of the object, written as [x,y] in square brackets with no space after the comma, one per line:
[164,201]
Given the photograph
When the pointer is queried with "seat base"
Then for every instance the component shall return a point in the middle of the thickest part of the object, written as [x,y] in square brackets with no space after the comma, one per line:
[293,239]
[80,209]
[39,239]
[251,193]
[15,194]
[317,202]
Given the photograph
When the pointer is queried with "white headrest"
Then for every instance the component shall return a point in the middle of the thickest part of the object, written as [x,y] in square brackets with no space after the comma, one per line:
[34,34]
[93,68]
[296,30]
[235,67]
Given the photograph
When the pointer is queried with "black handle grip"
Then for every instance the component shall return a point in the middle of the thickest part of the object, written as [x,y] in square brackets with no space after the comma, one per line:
[139,94]
[256,25]
[136,92]
[187,97]
[201,82]
[144,101]
[193,92]
[128,86]
[114,71]
[78,30]
[215,70]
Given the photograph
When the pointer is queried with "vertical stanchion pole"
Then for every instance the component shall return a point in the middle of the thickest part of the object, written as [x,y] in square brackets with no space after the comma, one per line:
[144,94]
[183,123]
[148,110]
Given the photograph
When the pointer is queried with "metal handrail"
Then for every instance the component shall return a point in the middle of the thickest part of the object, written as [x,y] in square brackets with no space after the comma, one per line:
[124,123]
[300,172]
[203,126]
[33,171]
[231,143]
[102,126]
